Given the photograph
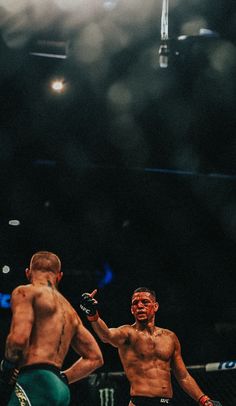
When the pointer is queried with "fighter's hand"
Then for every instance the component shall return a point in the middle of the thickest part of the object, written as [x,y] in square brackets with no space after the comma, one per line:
[206,401]
[89,305]
[8,377]
[8,372]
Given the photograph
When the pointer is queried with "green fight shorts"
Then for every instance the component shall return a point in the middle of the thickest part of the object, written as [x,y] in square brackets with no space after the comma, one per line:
[40,385]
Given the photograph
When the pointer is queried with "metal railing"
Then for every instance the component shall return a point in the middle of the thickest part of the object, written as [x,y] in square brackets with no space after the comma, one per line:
[217,379]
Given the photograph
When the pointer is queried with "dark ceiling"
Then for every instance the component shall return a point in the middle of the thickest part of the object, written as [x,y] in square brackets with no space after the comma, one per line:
[131,169]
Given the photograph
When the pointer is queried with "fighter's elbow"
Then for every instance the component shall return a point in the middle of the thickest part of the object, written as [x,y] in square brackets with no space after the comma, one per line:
[184,381]
[16,346]
[104,339]
[99,361]
[96,361]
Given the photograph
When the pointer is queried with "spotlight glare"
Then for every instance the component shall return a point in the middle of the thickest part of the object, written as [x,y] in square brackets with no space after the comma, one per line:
[58,85]
[110,4]
[6,269]
[14,222]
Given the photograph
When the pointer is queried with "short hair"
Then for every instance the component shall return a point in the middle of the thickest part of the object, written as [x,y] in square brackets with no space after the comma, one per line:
[45,261]
[145,289]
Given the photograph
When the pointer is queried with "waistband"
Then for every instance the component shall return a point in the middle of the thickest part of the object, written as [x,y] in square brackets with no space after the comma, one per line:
[148,401]
[42,365]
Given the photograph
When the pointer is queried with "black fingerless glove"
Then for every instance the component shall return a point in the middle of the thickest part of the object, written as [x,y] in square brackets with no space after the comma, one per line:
[64,378]
[89,306]
[8,377]
[8,372]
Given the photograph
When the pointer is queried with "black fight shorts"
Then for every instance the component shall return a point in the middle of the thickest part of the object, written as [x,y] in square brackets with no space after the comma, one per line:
[146,401]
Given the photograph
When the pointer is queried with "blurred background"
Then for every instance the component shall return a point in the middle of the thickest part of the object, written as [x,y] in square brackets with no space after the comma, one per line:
[123,168]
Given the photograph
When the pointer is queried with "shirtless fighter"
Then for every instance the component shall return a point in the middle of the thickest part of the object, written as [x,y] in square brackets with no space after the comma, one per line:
[44,325]
[148,353]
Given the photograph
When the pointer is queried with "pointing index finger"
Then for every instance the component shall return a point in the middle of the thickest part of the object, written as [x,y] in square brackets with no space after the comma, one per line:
[93,293]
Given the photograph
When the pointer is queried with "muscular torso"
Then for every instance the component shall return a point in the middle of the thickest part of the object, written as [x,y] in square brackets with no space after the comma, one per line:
[53,327]
[146,360]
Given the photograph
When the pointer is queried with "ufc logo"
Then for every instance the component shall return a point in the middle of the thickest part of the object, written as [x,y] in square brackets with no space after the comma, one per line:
[87,311]
[106,397]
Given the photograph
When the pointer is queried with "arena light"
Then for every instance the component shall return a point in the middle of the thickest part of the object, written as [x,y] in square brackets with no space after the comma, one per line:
[5,300]
[164,49]
[107,276]
[58,85]
[110,4]
[50,49]
[6,269]
[14,222]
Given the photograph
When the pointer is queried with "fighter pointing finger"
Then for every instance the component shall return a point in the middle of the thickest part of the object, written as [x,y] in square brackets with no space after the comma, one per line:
[148,352]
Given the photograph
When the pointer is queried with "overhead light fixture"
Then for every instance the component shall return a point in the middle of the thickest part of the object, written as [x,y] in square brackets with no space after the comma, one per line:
[58,85]
[6,269]
[50,49]
[14,222]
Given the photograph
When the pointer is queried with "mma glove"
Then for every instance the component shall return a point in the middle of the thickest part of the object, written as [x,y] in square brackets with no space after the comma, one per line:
[204,400]
[8,372]
[64,378]
[8,377]
[89,306]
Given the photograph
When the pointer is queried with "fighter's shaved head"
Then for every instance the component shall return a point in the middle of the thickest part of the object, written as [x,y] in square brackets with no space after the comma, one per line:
[45,261]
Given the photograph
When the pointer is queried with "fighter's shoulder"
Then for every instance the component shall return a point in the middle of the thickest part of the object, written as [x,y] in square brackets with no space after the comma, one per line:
[167,332]
[125,327]
[71,311]
[22,292]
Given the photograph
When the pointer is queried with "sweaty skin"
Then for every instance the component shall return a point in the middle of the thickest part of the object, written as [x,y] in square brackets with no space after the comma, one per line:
[146,357]
[147,352]
[44,325]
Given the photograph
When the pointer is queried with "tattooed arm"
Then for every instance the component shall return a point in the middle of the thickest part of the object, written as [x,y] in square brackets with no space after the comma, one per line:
[21,324]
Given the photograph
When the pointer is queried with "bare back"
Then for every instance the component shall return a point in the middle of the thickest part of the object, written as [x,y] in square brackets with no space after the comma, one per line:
[48,319]
[146,360]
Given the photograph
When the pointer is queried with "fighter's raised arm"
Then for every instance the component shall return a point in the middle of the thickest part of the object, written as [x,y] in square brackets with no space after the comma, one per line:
[148,353]
[114,336]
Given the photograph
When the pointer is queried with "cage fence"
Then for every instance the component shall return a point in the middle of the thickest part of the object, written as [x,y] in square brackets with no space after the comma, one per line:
[217,380]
